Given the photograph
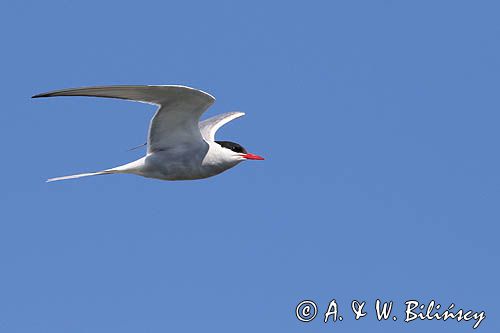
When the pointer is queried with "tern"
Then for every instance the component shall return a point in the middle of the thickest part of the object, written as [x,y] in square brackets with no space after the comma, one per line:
[179,145]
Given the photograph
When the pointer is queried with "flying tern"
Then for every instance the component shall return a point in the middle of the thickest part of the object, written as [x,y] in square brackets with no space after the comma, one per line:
[179,145]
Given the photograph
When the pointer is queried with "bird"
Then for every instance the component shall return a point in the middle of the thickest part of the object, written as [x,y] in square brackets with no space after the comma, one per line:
[179,145]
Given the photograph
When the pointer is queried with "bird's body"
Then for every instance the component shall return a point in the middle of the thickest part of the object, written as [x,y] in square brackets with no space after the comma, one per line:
[184,163]
[179,146]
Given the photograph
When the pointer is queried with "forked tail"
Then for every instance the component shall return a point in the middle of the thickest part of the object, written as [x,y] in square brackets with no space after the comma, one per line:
[132,167]
[104,172]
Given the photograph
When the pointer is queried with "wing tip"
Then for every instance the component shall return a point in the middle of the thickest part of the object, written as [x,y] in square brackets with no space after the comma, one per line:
[41,95]
[47,94]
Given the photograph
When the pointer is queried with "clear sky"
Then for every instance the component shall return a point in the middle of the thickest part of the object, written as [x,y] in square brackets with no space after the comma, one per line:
[379,123]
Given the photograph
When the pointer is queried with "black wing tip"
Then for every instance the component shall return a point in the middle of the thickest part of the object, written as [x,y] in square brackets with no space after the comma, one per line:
[42,95]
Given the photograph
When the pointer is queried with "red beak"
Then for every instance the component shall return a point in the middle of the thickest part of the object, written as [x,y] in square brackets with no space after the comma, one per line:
[252,157]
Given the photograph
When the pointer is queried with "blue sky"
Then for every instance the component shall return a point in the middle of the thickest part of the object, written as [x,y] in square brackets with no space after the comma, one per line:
[379,124]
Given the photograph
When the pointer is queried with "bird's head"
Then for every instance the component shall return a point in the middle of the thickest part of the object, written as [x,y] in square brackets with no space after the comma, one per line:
[236,152]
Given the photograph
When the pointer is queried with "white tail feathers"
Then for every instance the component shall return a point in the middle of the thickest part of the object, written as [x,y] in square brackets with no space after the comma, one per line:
[132,167]
[105,172]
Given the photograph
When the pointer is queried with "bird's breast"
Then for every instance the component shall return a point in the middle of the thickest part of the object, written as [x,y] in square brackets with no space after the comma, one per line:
[172,165]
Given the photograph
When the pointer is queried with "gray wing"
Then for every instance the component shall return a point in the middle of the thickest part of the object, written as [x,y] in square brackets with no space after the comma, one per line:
[209,127]
[176,120]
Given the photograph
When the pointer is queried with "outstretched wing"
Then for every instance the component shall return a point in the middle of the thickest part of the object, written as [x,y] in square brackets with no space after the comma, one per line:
[209,127]
[176,120]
